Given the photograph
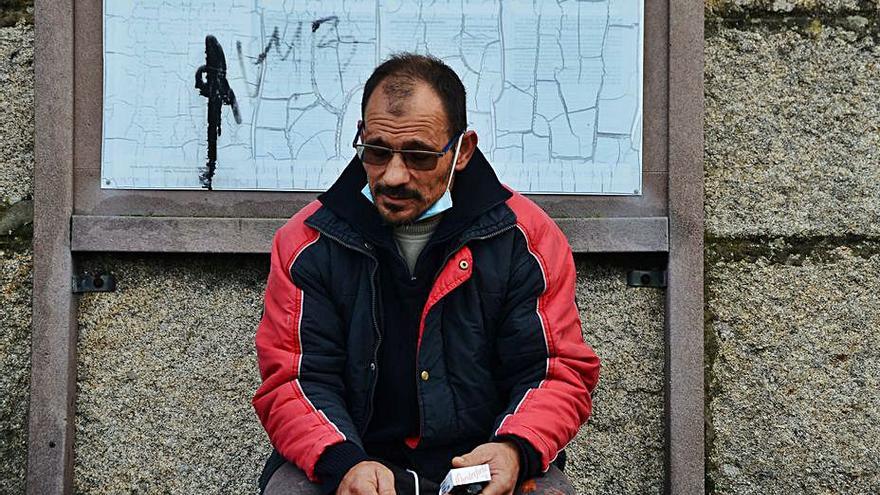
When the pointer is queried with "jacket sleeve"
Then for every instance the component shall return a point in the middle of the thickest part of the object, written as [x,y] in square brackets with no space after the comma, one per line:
[544,363]
[300,352]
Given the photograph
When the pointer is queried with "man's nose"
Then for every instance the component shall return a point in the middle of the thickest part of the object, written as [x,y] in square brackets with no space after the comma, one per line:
[396,173]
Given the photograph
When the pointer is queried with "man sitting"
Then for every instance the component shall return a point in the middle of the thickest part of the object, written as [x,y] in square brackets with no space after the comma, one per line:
[419,315]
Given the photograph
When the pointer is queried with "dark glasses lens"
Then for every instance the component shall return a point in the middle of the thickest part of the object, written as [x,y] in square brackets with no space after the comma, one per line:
[419,161]
[380,155]
[374,155]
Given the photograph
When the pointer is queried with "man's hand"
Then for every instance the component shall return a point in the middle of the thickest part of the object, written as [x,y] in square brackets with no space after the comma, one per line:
[367,478]
[503,461]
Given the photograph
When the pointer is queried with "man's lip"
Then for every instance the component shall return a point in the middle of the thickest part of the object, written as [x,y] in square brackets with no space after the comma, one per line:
[396,199]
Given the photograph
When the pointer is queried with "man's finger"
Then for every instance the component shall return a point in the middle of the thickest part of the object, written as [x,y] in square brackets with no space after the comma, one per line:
[472,459]
[491,489]
[362,486]
[385,479]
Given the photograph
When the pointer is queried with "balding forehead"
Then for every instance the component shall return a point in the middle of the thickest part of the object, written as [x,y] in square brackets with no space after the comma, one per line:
[398,90]
[406,99]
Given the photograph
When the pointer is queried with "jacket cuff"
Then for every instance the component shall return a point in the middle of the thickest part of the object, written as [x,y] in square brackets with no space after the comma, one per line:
[529,458]
[335,463]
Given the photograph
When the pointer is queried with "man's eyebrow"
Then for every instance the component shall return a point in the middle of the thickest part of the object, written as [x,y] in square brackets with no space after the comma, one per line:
[412,144]
[377,141]
[416,144]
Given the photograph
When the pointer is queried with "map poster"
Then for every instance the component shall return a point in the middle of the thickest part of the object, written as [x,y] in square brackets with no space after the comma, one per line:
[554,88]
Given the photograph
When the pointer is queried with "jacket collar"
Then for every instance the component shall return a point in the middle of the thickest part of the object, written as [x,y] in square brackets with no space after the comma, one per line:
[477,197]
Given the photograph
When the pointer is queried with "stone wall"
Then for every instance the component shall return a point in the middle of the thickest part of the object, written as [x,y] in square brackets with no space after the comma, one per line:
[14,11]
[167,369]
[16,216]
[792,207]
[793,248]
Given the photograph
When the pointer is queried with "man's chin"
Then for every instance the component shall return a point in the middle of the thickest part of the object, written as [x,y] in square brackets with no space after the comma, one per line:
[398,217]
[398,213]
[399,220]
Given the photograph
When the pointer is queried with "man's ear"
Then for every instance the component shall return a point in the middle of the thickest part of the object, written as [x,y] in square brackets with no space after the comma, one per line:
[468,146]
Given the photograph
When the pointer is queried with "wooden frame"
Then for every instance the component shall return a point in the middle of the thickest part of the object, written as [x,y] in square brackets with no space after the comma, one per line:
[72,215]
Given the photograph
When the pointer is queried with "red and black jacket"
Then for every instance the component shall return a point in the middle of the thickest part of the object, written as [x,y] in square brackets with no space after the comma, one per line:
[500,350]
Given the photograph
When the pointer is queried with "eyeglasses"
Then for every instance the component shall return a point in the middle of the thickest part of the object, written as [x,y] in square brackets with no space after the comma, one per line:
[372,154]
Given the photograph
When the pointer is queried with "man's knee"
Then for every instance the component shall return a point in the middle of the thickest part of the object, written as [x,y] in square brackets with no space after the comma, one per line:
[290,480]
[553,482]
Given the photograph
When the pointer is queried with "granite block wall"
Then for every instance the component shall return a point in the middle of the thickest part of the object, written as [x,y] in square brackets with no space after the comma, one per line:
[16,217]
[15,319]
[166,365]
[792,248]
[621,448]
[167,369]
[791,175]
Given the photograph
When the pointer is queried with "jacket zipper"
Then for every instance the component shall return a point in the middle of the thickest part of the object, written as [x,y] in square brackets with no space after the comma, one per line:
[443,265]
[374,364]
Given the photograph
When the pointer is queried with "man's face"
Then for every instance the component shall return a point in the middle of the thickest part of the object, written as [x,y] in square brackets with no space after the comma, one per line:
[415,122]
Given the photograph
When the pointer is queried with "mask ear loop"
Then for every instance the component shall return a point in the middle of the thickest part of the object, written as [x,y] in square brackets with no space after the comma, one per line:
[454,160]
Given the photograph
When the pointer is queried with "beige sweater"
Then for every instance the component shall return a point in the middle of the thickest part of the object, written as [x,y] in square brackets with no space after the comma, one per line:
[411,239]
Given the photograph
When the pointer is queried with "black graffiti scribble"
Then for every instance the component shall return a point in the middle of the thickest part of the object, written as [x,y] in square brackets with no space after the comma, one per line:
[302,51]
[317,22]
[275,39]
[212,84]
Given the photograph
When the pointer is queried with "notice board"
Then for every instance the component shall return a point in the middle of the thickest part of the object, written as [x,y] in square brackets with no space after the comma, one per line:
[554,89]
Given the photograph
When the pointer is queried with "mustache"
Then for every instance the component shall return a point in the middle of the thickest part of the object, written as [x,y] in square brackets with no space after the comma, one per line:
[397,192]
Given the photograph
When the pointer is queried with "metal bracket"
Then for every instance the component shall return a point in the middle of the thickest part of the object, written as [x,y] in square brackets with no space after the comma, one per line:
[646,278]
[99,282]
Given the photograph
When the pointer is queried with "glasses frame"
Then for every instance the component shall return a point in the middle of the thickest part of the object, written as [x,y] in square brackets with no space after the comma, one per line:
[360,147]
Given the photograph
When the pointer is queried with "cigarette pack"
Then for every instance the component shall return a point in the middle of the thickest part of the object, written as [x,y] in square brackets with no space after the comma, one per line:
[465,477]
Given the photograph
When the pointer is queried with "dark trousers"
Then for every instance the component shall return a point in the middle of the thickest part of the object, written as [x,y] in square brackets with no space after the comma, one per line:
[290,480]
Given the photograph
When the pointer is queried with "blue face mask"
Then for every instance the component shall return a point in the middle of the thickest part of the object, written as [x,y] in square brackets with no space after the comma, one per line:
[439,206]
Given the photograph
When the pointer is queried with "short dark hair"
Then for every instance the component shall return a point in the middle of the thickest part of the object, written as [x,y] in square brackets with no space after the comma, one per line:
[402,70]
